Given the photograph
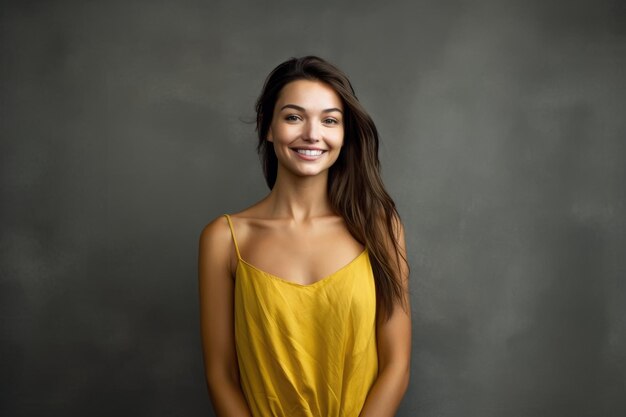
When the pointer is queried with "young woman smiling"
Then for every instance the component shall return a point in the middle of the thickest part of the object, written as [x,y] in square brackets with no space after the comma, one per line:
[304,303]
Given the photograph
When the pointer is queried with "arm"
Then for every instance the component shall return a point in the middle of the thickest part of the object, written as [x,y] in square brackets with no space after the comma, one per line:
[216,288]
[393,339]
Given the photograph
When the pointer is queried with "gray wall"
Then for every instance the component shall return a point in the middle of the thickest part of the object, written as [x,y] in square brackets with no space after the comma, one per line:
[125,129]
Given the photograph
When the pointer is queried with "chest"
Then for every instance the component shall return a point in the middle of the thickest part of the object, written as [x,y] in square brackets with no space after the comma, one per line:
[272,308]
[302,258]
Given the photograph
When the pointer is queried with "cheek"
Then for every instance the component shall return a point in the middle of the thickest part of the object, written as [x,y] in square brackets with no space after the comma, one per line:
[339,139]
[337,148]
[281,132]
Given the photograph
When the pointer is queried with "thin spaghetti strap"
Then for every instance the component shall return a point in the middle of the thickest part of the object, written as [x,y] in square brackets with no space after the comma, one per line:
[232,232]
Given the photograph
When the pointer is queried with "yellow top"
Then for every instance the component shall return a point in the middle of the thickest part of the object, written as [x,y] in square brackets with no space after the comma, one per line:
[306,350]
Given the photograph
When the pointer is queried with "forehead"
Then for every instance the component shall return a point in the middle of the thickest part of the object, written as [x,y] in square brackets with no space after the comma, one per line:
[311,94]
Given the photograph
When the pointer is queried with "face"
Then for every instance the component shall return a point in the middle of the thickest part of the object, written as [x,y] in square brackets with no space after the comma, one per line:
[307,127]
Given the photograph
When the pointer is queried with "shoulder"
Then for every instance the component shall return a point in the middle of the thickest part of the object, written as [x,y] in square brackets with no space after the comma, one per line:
[392,222]
[215,247]
[242,221]
[215,232]
[398,227]
[216,250]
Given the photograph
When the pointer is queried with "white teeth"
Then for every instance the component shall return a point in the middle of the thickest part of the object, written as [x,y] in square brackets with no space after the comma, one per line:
[309,152]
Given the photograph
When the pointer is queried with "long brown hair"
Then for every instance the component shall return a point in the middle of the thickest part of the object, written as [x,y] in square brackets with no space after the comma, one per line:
[355,187]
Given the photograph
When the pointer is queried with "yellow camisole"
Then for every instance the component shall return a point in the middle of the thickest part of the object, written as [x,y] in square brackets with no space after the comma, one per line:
[306,350]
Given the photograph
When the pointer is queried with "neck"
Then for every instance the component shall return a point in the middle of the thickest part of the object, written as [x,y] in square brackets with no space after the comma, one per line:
[299,198]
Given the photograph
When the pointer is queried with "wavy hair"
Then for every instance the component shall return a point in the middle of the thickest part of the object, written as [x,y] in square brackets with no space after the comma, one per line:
[355,187]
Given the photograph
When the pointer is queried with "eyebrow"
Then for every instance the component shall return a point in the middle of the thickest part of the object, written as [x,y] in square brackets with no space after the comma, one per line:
[302,109]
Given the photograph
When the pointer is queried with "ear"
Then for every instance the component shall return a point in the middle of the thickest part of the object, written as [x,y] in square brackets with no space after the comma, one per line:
[270,135]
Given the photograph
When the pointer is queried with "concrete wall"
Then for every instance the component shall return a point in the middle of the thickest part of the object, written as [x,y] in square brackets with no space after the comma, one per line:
[125,129]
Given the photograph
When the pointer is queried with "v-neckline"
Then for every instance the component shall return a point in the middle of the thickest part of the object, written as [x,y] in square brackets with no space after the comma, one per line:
[242,261]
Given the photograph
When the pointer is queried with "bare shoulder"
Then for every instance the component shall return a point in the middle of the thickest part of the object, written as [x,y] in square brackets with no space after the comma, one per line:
[215,246]
[216,232]
[253,216]
[397,228]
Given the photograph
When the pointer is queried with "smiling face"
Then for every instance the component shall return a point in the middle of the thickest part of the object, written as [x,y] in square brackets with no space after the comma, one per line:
[307,127]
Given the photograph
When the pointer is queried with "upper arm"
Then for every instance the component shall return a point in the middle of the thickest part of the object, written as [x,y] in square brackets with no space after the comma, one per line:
[216,291]
[394,334]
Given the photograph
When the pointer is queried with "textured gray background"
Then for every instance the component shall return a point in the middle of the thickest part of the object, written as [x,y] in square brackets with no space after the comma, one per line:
[125,129]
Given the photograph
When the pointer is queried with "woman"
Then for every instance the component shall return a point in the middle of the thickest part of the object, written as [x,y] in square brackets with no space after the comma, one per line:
[304,295]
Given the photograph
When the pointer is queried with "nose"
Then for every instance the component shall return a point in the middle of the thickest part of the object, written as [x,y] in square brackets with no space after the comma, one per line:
[312,131]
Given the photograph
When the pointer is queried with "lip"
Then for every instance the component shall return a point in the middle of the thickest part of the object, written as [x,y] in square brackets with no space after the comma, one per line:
[309,157]
[308,148]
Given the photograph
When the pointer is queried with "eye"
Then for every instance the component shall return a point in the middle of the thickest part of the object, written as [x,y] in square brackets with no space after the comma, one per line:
[292,118]
[331,121]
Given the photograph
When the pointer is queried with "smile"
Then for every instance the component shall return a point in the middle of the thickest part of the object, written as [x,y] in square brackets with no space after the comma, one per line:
[309,154]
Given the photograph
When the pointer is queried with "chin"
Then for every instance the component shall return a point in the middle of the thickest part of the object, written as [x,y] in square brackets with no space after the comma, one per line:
[311,174]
